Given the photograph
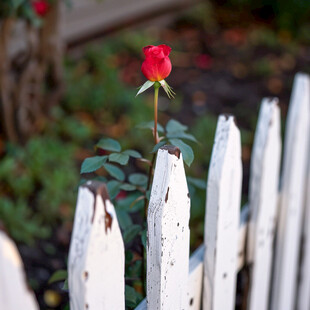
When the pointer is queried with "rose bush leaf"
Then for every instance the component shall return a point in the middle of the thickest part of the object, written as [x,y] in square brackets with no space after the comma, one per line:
[181,135]
[91,164]
[175,126]
[132,153]
[158,146]
[113,188]
[138,179]
[128,187]
[131,232]
[114,171]
[150,125]
[109,144]
[124,218]
[187,152]
[119,158]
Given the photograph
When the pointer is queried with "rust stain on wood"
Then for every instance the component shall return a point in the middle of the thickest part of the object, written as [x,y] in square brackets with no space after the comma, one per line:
[173,150]
[228,115]
[98,188]
[166,198]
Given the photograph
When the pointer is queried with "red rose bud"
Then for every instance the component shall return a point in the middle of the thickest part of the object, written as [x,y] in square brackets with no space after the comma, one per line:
[41,7]
[157,65]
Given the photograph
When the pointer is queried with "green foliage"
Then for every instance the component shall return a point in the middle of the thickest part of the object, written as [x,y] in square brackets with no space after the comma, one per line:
[44,165]
[20,221]
[93,163]
[59,275]
[132,297]
[138,179]
[109,145]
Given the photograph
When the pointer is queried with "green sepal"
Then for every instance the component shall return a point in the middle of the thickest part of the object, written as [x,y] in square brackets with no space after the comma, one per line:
[144,87]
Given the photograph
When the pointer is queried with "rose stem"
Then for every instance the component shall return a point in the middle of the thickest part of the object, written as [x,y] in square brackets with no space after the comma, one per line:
[156,88]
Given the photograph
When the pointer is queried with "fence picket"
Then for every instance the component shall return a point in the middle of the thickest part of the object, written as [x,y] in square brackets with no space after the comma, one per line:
[194,281]
[168,233]
[303,300]
[291,197]
[263,200]
[14,292]
[96,257]
[222,217]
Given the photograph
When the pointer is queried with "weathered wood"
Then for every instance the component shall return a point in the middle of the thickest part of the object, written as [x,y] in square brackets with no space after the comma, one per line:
[291,197]
[168,233]
[14,292]
[263,200]
[30,59]
[87,18]
[303,299]
[96,257]
[222,217]
[195,278]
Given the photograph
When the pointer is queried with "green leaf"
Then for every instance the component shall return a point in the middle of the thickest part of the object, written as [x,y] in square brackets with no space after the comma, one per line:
[131,232]
[187,152]
[144,238]
[150,125]
[136,203]
[109,145]
[59,275]
[199,183]
[175,126]
[65,287]
[128,187]
[144,87]
[119,158]
[148,194]
[91,164]
[114,171]
[113,188]
[133,153]
[131,296]
[123,218]
[158,146]
[181,135]
[124,204]
[138,179]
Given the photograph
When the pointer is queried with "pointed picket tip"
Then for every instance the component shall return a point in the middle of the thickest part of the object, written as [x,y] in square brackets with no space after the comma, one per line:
[95,244]
[168,233]
[222,217]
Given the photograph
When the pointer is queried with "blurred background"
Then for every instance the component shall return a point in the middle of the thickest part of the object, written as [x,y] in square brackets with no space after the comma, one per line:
[69,76]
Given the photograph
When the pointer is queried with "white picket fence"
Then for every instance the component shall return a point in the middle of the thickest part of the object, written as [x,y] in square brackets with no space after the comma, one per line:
[270,236]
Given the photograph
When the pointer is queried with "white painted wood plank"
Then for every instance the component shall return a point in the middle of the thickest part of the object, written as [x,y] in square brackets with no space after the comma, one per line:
[14,292]
[222,217]
[291,197]
[263,201]
[195,278]
[168,233]
[303,300]
[96,257]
